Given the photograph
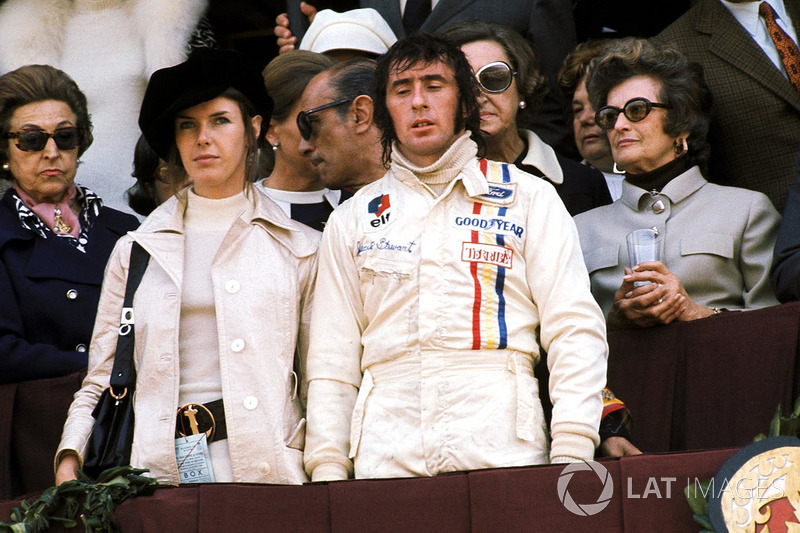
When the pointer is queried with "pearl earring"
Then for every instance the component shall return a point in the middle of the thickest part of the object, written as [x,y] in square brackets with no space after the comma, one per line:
[522,104]
[6,167]
[275,146]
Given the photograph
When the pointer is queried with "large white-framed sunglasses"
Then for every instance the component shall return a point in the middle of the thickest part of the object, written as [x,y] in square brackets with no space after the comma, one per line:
[495,77]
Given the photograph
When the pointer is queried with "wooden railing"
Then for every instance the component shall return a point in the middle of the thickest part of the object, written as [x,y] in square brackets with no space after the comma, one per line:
[705,385]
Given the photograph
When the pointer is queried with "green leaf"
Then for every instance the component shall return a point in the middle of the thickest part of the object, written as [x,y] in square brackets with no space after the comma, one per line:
[790,426]
[695,496]
[775,423]
[19,528]
[703,521]
[95,501]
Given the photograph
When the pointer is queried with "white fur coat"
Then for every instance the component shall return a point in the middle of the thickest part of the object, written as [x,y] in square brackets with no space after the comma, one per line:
[110,48]
[31,30]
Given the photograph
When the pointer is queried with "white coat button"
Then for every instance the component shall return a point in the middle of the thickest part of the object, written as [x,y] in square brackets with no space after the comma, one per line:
[264,469]
[237,345]
[251,402]
[232,286]
[80,348]
[72,294]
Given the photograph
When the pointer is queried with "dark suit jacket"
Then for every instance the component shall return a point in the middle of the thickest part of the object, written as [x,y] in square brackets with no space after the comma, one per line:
[48,294]
[755,127]
[785,273]
[548,24]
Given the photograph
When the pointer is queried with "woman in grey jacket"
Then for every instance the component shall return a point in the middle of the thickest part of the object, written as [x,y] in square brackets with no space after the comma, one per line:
[718,240]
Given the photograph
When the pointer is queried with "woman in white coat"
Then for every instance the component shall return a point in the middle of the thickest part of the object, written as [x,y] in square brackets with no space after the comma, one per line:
[222,309]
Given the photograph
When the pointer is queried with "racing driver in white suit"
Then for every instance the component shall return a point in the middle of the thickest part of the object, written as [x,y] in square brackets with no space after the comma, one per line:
[437,286]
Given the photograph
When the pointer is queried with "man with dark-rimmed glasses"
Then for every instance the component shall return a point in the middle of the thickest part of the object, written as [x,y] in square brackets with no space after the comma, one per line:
[336,126]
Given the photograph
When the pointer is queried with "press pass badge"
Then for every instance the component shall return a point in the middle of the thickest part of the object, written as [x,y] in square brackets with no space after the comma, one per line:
[194,459]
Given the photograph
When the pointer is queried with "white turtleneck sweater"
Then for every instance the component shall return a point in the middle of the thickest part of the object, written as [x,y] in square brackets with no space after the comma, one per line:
[439,174]
[206,222]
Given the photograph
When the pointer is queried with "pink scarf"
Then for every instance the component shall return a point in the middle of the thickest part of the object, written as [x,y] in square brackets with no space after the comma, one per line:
[47,212]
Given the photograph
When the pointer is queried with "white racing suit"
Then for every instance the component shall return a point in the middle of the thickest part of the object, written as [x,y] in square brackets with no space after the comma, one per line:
[429,314]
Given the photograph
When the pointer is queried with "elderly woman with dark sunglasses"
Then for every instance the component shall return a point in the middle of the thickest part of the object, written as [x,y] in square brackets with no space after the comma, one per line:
[717,241]
[511,88]
[55,236]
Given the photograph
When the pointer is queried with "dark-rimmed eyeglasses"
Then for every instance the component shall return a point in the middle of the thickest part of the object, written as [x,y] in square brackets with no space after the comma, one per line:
[36,140]
[495,77]
[635,110]
[304,122]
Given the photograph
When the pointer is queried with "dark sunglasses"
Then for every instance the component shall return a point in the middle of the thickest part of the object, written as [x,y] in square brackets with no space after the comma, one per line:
[635,110]
[304,122]
[495,77]
[36,140]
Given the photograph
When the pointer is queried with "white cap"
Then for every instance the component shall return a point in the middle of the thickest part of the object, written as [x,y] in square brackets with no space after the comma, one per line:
[358,29]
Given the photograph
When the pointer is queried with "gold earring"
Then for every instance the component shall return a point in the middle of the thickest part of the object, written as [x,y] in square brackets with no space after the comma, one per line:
[682,147]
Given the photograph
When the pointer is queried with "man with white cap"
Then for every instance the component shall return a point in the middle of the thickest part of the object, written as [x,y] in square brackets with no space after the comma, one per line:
[354,33]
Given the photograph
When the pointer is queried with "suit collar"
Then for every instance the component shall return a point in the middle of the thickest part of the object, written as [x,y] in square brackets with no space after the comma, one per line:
[110,220]
[677,190]
[746,13]
[732,44]
[441,15]
[793,10]
[51,259]
[542,156]
[10,227]
[390,11]
[444,13]
[161,234]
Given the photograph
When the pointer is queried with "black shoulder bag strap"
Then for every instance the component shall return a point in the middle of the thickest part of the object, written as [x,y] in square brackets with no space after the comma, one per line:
[123,376]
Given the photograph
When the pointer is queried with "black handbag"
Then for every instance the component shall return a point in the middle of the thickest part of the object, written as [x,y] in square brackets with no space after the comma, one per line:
[112,434]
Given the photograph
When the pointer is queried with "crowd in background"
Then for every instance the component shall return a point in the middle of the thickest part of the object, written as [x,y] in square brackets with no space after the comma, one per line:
[561,147]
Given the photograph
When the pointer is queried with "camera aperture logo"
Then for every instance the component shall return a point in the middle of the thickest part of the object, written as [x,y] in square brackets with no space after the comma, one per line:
[585,509]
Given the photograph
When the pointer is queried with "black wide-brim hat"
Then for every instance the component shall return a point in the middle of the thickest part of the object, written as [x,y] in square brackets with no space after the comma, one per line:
[206,74]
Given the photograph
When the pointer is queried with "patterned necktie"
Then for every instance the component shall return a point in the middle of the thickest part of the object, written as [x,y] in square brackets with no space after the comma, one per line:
[414,15]
[787,49]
